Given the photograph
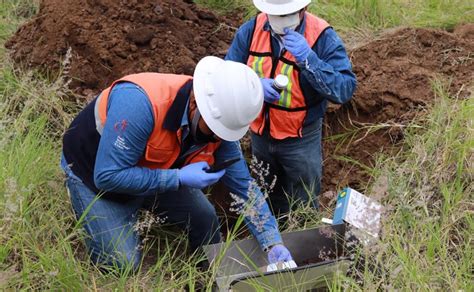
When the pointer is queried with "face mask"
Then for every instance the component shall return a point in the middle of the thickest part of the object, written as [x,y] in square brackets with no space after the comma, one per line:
[279,23]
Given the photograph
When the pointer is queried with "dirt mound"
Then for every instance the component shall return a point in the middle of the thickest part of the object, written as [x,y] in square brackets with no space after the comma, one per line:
[395,76]
[108,39]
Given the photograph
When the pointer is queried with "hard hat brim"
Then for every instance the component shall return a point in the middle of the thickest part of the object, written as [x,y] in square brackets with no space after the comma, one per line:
[280,9]
[203,71]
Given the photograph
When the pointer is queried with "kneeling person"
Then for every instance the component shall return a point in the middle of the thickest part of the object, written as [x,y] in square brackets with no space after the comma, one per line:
[146,143]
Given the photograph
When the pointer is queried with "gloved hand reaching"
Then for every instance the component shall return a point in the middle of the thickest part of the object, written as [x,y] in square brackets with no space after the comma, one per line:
[269,93]
[195,176]
[297,45]
[279,253]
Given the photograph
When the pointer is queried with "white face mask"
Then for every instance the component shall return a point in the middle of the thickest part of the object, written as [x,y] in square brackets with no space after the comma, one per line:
[279,23]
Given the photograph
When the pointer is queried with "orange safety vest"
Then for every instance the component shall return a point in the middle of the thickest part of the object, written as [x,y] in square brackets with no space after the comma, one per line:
[286,117]
[163,146]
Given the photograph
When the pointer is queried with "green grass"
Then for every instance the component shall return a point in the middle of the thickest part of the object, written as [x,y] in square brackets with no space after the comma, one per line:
[427,237]
[428,190]
[349,16]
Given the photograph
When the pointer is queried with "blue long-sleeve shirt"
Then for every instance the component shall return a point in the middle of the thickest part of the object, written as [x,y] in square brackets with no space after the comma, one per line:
[327,70]
[126,131]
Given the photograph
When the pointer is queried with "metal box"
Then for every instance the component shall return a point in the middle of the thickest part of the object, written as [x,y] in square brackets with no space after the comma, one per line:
[318,252]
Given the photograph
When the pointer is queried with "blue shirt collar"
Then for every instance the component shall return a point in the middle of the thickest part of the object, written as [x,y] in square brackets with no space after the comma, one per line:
[184,120]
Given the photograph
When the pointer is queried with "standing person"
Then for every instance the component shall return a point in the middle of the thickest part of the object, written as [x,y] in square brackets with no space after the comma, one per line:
[146,143]
[285,39]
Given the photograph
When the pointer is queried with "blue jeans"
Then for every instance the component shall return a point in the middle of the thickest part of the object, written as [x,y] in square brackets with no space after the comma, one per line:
[109,222]
[297,165]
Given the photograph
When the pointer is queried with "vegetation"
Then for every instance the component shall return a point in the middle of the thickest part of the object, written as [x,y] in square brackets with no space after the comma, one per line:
[428,192]
[364,16]
[427,187]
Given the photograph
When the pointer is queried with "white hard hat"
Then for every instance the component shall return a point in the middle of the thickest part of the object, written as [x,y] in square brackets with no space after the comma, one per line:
[229,96]
[280,7]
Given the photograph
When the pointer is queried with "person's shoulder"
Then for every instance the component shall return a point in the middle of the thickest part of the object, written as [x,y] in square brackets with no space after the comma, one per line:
[129,94]
[329,41]
[251,20]
[316,16]
[248,26]
[331,34]
[328,33]
[318,20]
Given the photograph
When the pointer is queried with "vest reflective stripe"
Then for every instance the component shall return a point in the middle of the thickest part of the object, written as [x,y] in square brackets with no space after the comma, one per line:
[292,104]
[257,66]
[163,146]
[98,122]
[285,96]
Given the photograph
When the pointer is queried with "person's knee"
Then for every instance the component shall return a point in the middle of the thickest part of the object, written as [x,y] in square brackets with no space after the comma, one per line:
[207,217]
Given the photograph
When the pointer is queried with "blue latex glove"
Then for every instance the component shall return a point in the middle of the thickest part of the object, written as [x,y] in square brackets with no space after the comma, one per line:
[279,253]
[195,176]
[269,93]
[296,44]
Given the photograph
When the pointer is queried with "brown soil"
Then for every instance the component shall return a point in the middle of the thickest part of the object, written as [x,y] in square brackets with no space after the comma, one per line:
[109,39]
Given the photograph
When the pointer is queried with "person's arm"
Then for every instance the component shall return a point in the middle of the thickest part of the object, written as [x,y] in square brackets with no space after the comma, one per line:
[328,68]
[127,129]
[260,221]
[239,49]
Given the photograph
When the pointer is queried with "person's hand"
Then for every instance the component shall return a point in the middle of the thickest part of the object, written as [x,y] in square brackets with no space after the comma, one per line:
[269,93]
[296,44]
[279,253]
[195,176]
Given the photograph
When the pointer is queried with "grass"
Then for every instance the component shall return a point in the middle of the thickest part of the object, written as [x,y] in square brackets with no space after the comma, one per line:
[348,15]
[428,189]
[427,237]
[362,16]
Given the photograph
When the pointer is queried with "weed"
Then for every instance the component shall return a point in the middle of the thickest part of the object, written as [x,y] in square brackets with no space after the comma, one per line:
[257,194]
